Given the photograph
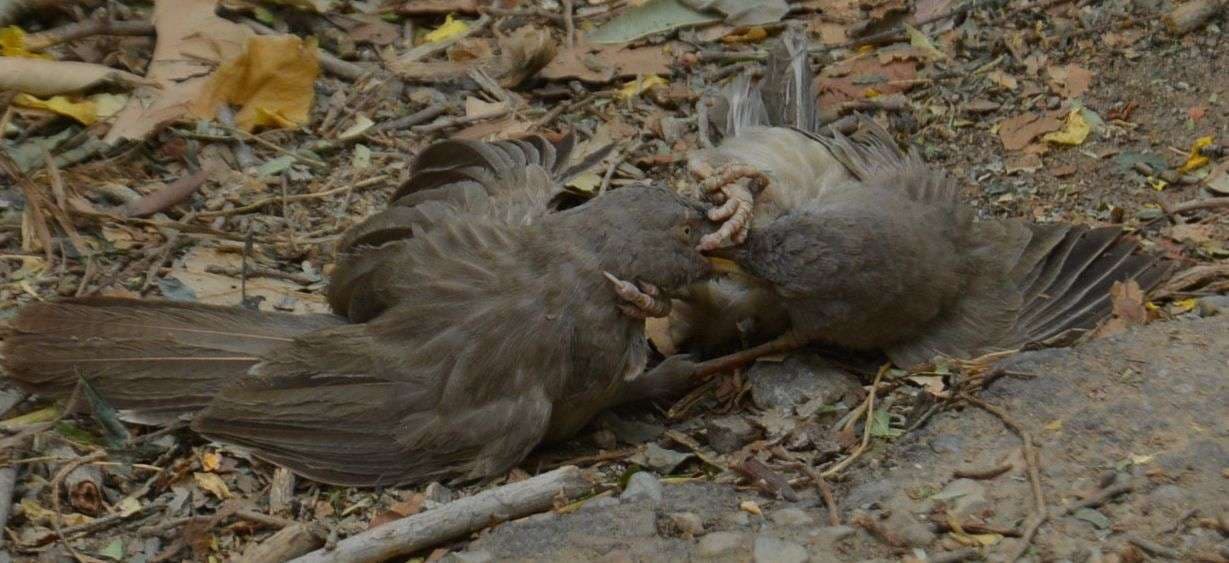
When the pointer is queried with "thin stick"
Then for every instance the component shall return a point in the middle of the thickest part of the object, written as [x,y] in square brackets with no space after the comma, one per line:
[298,197]
[87,28]
[569,25]
[866,430]
[1040,513]
[785,343]
[458,121]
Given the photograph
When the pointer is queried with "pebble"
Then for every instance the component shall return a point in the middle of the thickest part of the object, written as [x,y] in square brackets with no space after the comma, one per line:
[792,517]
[964,497]
[643,486]
[772,550]
[729,433]
[798,379]
[688,523]
[438,493]
[1213,305]
[719,543]
[736,519]
[914,533]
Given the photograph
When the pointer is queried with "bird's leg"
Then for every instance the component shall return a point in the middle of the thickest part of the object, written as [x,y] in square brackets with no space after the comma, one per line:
[785,343]
[733,186]
[640,302]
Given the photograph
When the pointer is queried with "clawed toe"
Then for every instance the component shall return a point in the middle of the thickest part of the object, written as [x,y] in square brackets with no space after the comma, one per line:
[641,302]
[732,186]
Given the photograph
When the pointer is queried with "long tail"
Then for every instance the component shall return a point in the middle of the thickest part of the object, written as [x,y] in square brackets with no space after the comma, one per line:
[1066,272]
[152,360]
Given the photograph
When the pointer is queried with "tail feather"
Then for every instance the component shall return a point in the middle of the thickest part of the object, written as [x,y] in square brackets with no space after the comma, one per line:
[154,359]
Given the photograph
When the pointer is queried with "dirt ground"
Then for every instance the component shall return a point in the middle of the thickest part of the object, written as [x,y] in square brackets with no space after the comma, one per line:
[1131,429]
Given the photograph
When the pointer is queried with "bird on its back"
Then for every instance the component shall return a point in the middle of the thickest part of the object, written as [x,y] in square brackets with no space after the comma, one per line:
[474,321]
[855,242]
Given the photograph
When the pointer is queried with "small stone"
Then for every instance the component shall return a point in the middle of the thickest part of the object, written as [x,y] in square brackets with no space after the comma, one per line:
[688,522]
[642,486]
[831,534]
[947,444]
[798,379]
[792,517]
[736,519]
[772,550]
[599,503]
[1213,305]
[729,433]
[437,493]
[719,543]
[964,497]
[914,533]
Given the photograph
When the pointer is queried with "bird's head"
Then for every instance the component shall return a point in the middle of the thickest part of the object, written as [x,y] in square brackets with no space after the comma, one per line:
[646,233]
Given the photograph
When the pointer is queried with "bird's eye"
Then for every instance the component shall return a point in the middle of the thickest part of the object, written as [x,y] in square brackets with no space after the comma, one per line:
[686,230]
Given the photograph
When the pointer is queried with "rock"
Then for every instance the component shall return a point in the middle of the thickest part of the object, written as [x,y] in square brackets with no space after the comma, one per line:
[729,433]
[599,503]
[772,550]
[947,444]
[1171,497]
[829,535]
[437,493]
[736,519]
[688,522]
[964,497]
[469,557]
[1212,305]
[659,459]
[719,543]
[800,378]
[643,486]
[914,533]
[791,517]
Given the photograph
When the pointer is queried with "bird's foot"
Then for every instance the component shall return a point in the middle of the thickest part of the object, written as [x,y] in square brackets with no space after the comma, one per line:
[639,302]
[733,187]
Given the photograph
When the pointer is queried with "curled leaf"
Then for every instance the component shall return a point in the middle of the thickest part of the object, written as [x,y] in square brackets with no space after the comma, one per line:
[1074,132]
[84,111]
[450,29]
[1196,160]
[640,86]
[13,44]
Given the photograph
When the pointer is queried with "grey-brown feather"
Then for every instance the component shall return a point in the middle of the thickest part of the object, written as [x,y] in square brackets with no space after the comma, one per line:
[867,246]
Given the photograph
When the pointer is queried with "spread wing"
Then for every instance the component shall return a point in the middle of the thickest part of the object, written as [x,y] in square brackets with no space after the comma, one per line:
[457,380]
[513,181]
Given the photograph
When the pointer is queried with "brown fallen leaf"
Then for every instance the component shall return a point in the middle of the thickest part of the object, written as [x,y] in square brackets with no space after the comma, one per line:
[891,72]
[603,63]
[522,54]
[272,83]
[42,77]
[1127,300]
[1069,81]
[192,42]
[1017,132]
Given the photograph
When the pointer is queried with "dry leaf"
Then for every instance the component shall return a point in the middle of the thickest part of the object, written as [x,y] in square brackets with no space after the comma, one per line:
[450,29]
[221,289]
[891,72]
[13,44]
[1017,132]
[475,107]
[1127,300]
[1196,160]
[52,78]
[750,507]
[84,111]
[603,63]
[1070,81]
[272,82]
[36,513]
[1074,132]
[212,484]
[211,461]
[1003,79]
[192,42]
[639,86]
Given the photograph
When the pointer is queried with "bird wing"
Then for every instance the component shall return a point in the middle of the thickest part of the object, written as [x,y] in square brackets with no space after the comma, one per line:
[455,376]
[515,181]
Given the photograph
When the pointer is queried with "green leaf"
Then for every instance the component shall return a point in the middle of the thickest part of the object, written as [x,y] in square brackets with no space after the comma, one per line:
[114,433]
[881,426]
[654,16]
[114,550]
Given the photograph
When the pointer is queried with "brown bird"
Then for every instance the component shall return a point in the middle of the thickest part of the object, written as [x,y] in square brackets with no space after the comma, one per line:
[854,242]
[476,323]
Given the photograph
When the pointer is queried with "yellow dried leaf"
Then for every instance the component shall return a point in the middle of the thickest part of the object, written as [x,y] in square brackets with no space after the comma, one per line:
[1196,160]
[751,35]
[212,484]
[211,461]
[1184,305]
[84,111]
[750,507]
[1074,131]
[450,29]
[640,86]
[1140,459]
[922,43]
[272,81]
[13,44]
[128,506]
[1055,425]
[31,418]
[36,513]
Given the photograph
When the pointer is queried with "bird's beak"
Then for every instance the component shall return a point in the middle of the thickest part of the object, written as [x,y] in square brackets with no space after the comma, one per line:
[724,265]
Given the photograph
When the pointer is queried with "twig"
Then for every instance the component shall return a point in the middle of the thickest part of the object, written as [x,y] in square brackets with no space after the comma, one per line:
[1101,497]
[785,343]
[569,25]
[56,482]
[87,28]
[450,122]
[111,520]
[1209,203]
[421,116]
[614,164]
[290,542]
[260,272]
[982,473]
[1040,513]
[328,61]
[455,519]
[372,181]
[274,146]
[171,195]
[1155,549]
[423,51]
[866,430]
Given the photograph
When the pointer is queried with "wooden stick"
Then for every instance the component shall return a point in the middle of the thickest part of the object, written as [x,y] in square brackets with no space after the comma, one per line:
[290,542]
[455,519]
[784,343]
[87,28]
[1191,16]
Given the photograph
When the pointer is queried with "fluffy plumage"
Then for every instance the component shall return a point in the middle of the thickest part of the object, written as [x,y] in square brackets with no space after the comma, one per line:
[860,244]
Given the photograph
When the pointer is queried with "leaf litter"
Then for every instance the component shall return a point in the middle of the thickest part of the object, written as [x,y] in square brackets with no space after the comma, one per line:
[304,132]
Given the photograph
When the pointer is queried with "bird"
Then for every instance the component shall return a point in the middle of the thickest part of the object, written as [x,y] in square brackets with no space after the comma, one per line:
[479,315]
[855,242]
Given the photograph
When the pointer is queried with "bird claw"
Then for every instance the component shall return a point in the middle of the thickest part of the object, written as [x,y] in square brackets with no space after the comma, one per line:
[733,187]
[641,302]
